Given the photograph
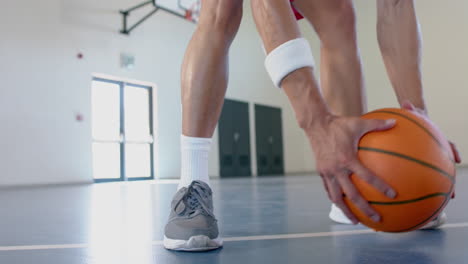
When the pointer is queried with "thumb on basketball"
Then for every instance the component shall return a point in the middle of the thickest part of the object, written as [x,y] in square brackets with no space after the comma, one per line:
[378,125]
[408,106]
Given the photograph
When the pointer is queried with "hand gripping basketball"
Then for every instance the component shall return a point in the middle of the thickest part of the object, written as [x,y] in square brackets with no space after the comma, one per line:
[410,107]
[416,159]
[335,143]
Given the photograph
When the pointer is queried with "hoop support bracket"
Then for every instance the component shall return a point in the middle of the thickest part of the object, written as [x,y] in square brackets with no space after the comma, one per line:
[126,29]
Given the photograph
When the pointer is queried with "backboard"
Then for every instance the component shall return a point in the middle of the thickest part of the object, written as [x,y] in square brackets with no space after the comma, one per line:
[190,9]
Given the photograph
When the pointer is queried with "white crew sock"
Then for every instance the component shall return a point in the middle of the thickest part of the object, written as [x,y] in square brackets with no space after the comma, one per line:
[194,162]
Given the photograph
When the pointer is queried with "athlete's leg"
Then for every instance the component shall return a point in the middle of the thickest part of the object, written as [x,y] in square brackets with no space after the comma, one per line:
[204,80]
[192,225]
[340,67]
[205,66]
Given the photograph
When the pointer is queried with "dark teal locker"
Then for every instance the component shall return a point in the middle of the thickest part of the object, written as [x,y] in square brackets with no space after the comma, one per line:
[269,140]
[234,140]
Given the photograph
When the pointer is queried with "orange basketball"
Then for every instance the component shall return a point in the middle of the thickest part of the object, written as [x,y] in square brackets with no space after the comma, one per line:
[415,158]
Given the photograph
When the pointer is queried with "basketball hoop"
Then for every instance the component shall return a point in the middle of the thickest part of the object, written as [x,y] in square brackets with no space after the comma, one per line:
[191,8]
[188,15]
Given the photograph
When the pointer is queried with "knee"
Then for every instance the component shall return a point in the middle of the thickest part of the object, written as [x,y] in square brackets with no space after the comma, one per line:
[391,10]
[339,26]
[346,18]
[221,16]
[393,5]
[259,4]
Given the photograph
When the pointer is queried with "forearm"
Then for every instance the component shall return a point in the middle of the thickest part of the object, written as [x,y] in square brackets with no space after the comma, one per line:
[399,39]
[305,97]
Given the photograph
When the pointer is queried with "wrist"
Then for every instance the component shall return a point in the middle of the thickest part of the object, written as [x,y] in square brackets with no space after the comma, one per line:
[317,125]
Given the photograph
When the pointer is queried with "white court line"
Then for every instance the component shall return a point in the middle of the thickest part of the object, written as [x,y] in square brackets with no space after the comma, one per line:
[454,225]
[321,234]
[226,239]
[300,235]
[42,247]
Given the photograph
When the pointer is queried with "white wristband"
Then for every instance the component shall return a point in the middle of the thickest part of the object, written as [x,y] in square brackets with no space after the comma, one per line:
[288,57]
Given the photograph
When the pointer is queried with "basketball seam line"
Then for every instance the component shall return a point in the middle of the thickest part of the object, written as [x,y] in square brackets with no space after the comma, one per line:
[420,162]
[427,219]
[436,212]
[412,200]
[422,127]
[450,177]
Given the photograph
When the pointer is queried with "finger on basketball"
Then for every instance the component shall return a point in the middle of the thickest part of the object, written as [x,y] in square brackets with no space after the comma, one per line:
[369,177]
[456,154]
[336,194]
[355,197]
[325,185]
[408,106]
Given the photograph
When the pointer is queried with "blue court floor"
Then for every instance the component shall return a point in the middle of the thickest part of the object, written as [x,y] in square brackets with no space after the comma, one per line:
[262,220]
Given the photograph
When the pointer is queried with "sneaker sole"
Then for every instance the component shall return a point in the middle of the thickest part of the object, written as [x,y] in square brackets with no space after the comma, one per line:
[436,223]
[337,216]
[195,243]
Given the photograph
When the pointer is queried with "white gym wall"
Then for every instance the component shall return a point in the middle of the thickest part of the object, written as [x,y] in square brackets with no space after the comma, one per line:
[44,84]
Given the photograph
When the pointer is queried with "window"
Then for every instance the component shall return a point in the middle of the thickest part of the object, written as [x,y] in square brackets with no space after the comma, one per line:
[122,128]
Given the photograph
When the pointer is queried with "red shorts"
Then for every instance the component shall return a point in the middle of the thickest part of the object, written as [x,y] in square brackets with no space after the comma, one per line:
[296,13]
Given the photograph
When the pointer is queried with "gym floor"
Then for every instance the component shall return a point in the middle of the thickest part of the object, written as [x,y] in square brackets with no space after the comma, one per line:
[262,220]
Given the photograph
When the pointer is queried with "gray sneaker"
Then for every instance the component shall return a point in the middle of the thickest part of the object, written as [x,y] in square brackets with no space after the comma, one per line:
[192,225]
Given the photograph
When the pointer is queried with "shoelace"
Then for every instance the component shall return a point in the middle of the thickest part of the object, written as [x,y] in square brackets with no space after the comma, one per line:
[192,197]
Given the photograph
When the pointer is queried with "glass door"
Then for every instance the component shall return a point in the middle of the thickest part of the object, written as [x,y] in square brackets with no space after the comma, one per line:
[138,139]
[122,128]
